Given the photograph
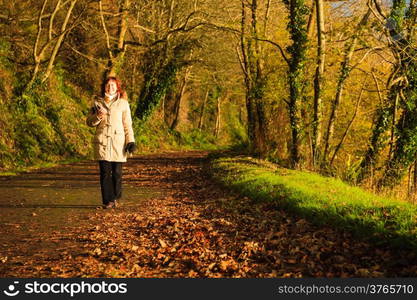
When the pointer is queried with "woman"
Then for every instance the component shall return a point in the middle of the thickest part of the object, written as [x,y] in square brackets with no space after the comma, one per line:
[113,140]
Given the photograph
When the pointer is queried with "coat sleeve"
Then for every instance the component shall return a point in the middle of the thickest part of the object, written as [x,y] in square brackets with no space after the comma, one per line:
[92,119]
[127,124]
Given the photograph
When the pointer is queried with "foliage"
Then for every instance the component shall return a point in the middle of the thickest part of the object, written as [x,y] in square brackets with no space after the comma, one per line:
[163,39]
[46,125]
[160,76]
[155,135]
[6,132]
[235,127]
[155,89]
[404,148]
[197,139]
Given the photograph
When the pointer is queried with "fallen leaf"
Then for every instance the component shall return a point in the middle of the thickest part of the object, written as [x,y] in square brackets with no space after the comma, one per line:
[162,242]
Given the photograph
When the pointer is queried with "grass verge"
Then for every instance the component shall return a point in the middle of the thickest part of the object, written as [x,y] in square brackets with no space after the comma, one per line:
[322,200]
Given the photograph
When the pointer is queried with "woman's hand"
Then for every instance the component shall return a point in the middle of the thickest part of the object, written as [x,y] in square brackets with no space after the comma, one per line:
[100,113]
[130,147]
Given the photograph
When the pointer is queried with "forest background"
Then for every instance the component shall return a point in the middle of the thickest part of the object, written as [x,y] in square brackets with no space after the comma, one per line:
[325,86]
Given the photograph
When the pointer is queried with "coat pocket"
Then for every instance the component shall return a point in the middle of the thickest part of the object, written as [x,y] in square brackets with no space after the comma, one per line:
[98,139]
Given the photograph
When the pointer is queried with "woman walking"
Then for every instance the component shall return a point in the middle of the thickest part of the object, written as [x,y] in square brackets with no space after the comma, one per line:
[113,139]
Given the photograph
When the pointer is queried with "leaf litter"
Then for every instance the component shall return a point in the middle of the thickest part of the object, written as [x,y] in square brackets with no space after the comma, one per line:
[196,228]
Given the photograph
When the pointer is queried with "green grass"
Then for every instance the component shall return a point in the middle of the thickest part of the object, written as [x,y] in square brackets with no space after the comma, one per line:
[322,200]
[41,165]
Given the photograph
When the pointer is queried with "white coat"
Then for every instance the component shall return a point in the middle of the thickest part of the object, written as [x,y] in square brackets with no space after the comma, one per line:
[113,131]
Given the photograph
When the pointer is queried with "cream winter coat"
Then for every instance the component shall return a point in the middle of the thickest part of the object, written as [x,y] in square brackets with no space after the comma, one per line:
[113,132]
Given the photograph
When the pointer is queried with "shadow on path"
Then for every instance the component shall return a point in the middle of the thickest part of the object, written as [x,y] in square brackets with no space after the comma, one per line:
[43,212]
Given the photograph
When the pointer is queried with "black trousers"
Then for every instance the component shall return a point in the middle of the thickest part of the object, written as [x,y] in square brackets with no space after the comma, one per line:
[110,180]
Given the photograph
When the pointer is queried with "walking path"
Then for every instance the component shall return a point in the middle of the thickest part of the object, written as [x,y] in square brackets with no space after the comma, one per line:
[174,221]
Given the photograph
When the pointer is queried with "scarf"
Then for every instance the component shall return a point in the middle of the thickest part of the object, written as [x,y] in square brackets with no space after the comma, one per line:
[111,97]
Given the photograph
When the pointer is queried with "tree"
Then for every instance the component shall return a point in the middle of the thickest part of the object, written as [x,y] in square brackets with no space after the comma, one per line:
[318,81]
[345,70]
[47,47]
[400,31]
[116,47]
[252,67]
[298,12]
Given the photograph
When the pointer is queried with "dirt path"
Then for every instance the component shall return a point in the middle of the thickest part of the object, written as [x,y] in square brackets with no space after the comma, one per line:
[175,221]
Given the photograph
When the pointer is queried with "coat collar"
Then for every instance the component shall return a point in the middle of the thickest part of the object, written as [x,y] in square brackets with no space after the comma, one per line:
[111,102]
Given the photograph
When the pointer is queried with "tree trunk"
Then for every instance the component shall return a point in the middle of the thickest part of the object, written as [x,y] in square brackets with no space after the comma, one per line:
[259,85]
[392,137]
[177,105]
[339,146]
[200,121]
[38,57]
[116,50]
[344,74]
[381,123]
[318,81]
[218,117]
[247,76]
[414,181]
[298,34]
[401,84]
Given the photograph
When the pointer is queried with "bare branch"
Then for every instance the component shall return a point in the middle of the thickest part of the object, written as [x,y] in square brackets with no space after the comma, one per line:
[106,13]
[85,55]
[59,41]
[342,140]
[171,14]
[19,18]
[278,46]
[234,30]
[378,8]
[144,28]
[37,58]
[103,23]
[377,15]
[366,54]
[51,20]
[241,61]
[35,48]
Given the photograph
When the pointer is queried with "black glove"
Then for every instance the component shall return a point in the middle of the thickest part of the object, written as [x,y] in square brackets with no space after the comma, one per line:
[130,147]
